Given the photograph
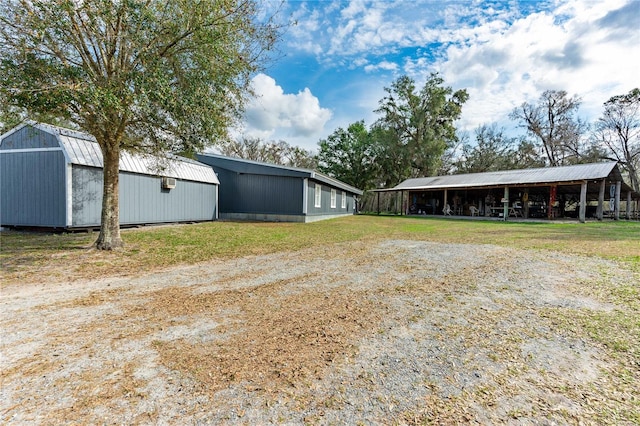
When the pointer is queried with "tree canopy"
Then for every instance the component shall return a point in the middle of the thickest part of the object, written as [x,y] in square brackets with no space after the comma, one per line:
[553,120]
[349,155]
[494,151]
[152,76]
[420,123]
[619,130]
[273,152]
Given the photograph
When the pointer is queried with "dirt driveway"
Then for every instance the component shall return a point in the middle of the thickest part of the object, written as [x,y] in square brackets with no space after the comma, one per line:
[400,332]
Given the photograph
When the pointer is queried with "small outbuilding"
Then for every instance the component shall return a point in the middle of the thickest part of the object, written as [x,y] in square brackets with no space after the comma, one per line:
[52,177]
[251,190]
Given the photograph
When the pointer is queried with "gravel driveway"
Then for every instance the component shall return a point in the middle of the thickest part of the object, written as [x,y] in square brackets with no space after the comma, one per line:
[400,332]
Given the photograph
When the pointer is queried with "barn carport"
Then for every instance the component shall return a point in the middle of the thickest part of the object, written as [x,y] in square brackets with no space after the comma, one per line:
[595,190]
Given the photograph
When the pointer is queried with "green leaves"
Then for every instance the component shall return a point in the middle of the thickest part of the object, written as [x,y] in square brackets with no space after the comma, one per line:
[170,73]
[350,156]
[420,123]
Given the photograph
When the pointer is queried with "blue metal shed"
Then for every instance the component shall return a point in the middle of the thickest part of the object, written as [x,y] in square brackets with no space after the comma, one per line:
[52,177]
[251,190]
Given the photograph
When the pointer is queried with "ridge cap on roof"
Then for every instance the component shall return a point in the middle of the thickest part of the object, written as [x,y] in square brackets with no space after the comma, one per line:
[535,169]
[61,131]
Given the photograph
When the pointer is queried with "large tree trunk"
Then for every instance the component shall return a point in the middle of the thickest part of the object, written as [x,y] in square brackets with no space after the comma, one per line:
[109,237]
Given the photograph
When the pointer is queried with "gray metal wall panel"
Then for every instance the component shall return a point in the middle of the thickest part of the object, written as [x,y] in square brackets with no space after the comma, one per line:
[263,194]
[142,199]
[228,190]
[32,189]
[29,138]
[268,194]
[87,196]
[325,207]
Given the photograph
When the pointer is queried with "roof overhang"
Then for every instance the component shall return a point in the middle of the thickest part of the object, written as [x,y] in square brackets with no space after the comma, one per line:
[241,165]
[541,177]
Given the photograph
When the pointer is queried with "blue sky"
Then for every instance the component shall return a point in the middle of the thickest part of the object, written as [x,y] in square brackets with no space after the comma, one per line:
[335,63]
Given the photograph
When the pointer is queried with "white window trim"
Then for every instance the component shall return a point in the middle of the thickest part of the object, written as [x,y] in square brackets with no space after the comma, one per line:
[343,203]
[318,196]
[333,198]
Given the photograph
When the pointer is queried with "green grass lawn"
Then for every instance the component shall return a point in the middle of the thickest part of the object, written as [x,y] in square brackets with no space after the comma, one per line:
[45,257]
[29,255]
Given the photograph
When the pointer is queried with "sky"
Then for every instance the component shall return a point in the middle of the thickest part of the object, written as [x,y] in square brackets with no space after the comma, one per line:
[333,65]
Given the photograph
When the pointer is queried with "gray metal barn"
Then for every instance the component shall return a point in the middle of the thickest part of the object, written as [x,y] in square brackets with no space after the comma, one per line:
[251,190]
[52,177]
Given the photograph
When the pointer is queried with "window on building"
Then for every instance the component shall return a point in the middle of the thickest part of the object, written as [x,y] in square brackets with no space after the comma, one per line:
[318,194]
[333,198]
[344,200]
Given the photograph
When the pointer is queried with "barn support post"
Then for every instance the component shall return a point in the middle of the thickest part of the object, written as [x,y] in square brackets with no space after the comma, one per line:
[525,203]
[553,190]
[444,205]
[628,215]
[378,194]
[600,210]
[616,214]
[583,202]
[402,208]
[505,204]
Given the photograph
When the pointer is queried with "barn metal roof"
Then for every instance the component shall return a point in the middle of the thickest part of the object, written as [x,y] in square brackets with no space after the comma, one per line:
[240,165]
[82,149]
[539,176]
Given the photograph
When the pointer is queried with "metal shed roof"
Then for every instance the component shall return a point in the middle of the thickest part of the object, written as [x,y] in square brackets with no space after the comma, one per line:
[546,175]
[240,165]
[82,149]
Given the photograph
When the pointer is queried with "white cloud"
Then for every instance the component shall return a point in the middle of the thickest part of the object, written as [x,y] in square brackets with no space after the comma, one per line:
[274,114]
[384,65]
[503,53]
[504,65]
[307,23]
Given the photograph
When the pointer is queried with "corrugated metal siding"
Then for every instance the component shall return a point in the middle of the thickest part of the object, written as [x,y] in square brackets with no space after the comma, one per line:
[270,194]
[514,177]
[325,208]
[240,165]
[87,153]
[82,152]
[248,193]
[87,196]
[32,188]
[28,138]
[335,183]
[142,199]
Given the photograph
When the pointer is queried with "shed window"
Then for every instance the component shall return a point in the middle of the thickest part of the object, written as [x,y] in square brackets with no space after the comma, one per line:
[318,194]
[333,198]
[344,200]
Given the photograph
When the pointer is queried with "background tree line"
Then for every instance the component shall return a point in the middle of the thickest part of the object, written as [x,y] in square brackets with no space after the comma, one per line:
[415,136]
